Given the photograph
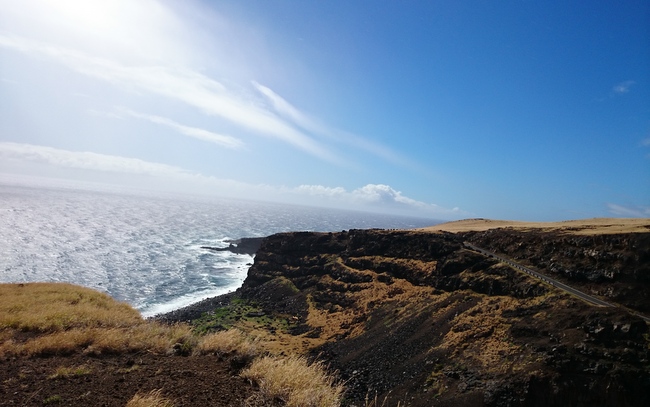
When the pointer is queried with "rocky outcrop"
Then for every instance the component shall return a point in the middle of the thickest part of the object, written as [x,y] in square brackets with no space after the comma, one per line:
[614,266]
[245,245]
[417,318]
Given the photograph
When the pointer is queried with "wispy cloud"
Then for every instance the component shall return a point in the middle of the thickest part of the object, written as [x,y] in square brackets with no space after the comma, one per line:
[314,126]
[87,160]
[187,86]
[122,171]
[287,110]
[194,132]
[623,87]
[629,211]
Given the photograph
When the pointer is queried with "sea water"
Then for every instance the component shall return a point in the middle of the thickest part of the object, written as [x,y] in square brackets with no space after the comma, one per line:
[146,249]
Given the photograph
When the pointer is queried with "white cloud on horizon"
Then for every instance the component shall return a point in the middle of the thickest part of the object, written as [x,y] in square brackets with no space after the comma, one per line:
[371,197]
[118,171]
[86,160]
[629,211]
[379,195]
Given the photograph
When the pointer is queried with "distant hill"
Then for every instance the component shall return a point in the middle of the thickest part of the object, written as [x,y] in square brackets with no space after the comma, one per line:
[584,226]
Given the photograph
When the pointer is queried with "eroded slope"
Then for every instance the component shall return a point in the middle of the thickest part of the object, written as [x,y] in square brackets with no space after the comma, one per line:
[418,318]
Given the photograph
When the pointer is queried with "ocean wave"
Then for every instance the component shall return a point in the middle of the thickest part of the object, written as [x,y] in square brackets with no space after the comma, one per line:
[146,250]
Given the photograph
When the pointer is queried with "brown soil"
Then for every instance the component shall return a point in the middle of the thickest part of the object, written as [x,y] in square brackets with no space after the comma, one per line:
[114,380]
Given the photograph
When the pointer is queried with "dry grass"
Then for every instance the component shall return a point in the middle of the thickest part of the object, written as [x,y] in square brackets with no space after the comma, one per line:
[65,371]
[375,402]
[50,307]
[294,381]
[579,227]
[481,334]
[59,319]
[152,337]
[351,321]
[287,381]
[232,341]
[151,399]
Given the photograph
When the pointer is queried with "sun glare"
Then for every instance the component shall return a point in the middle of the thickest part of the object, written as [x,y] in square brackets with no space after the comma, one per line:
[94,16]
[118,29]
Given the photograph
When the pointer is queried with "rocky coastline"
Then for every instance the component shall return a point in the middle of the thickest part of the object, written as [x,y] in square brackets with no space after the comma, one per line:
[245,245]
[418,318]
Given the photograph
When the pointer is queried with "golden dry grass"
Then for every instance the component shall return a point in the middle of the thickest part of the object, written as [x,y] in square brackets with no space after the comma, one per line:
[351,320]
[294,381]
[151,336]
[152,399]
[54,318]
[232,341]
[593,226]
[50,307]
[49,318]
[481,335]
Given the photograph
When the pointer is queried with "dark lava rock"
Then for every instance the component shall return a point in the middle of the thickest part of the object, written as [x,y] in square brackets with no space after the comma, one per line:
[558,350]
[245,245]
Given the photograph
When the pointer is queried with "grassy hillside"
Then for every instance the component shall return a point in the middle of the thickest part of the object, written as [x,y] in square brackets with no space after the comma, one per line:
[61,333]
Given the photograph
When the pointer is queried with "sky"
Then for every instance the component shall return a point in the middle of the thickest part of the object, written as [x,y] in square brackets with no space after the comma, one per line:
[526,110]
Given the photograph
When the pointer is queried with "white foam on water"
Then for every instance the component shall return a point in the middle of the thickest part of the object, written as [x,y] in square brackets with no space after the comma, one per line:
[146,250]
[185,300]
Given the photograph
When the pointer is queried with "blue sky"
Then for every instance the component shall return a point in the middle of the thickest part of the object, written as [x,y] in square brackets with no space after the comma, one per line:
[446,109]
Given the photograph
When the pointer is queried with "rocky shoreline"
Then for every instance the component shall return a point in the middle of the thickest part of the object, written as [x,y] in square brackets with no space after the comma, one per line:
[196,310]
[417,317]
[245,245]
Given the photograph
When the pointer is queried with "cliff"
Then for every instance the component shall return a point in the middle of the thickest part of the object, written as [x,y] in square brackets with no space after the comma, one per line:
[418,318]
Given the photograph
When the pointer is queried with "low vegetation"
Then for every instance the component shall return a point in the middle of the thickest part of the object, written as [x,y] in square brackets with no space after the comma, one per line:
[236,314]
[43,319]
[56,307]
[294,381]
[152,399]
[225,343]
[65,371]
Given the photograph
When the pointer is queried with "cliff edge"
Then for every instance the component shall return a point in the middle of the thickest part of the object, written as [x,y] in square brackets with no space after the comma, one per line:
[418,318]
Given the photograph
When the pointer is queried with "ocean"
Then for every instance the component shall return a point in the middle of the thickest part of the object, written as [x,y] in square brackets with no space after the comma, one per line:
[146,249]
